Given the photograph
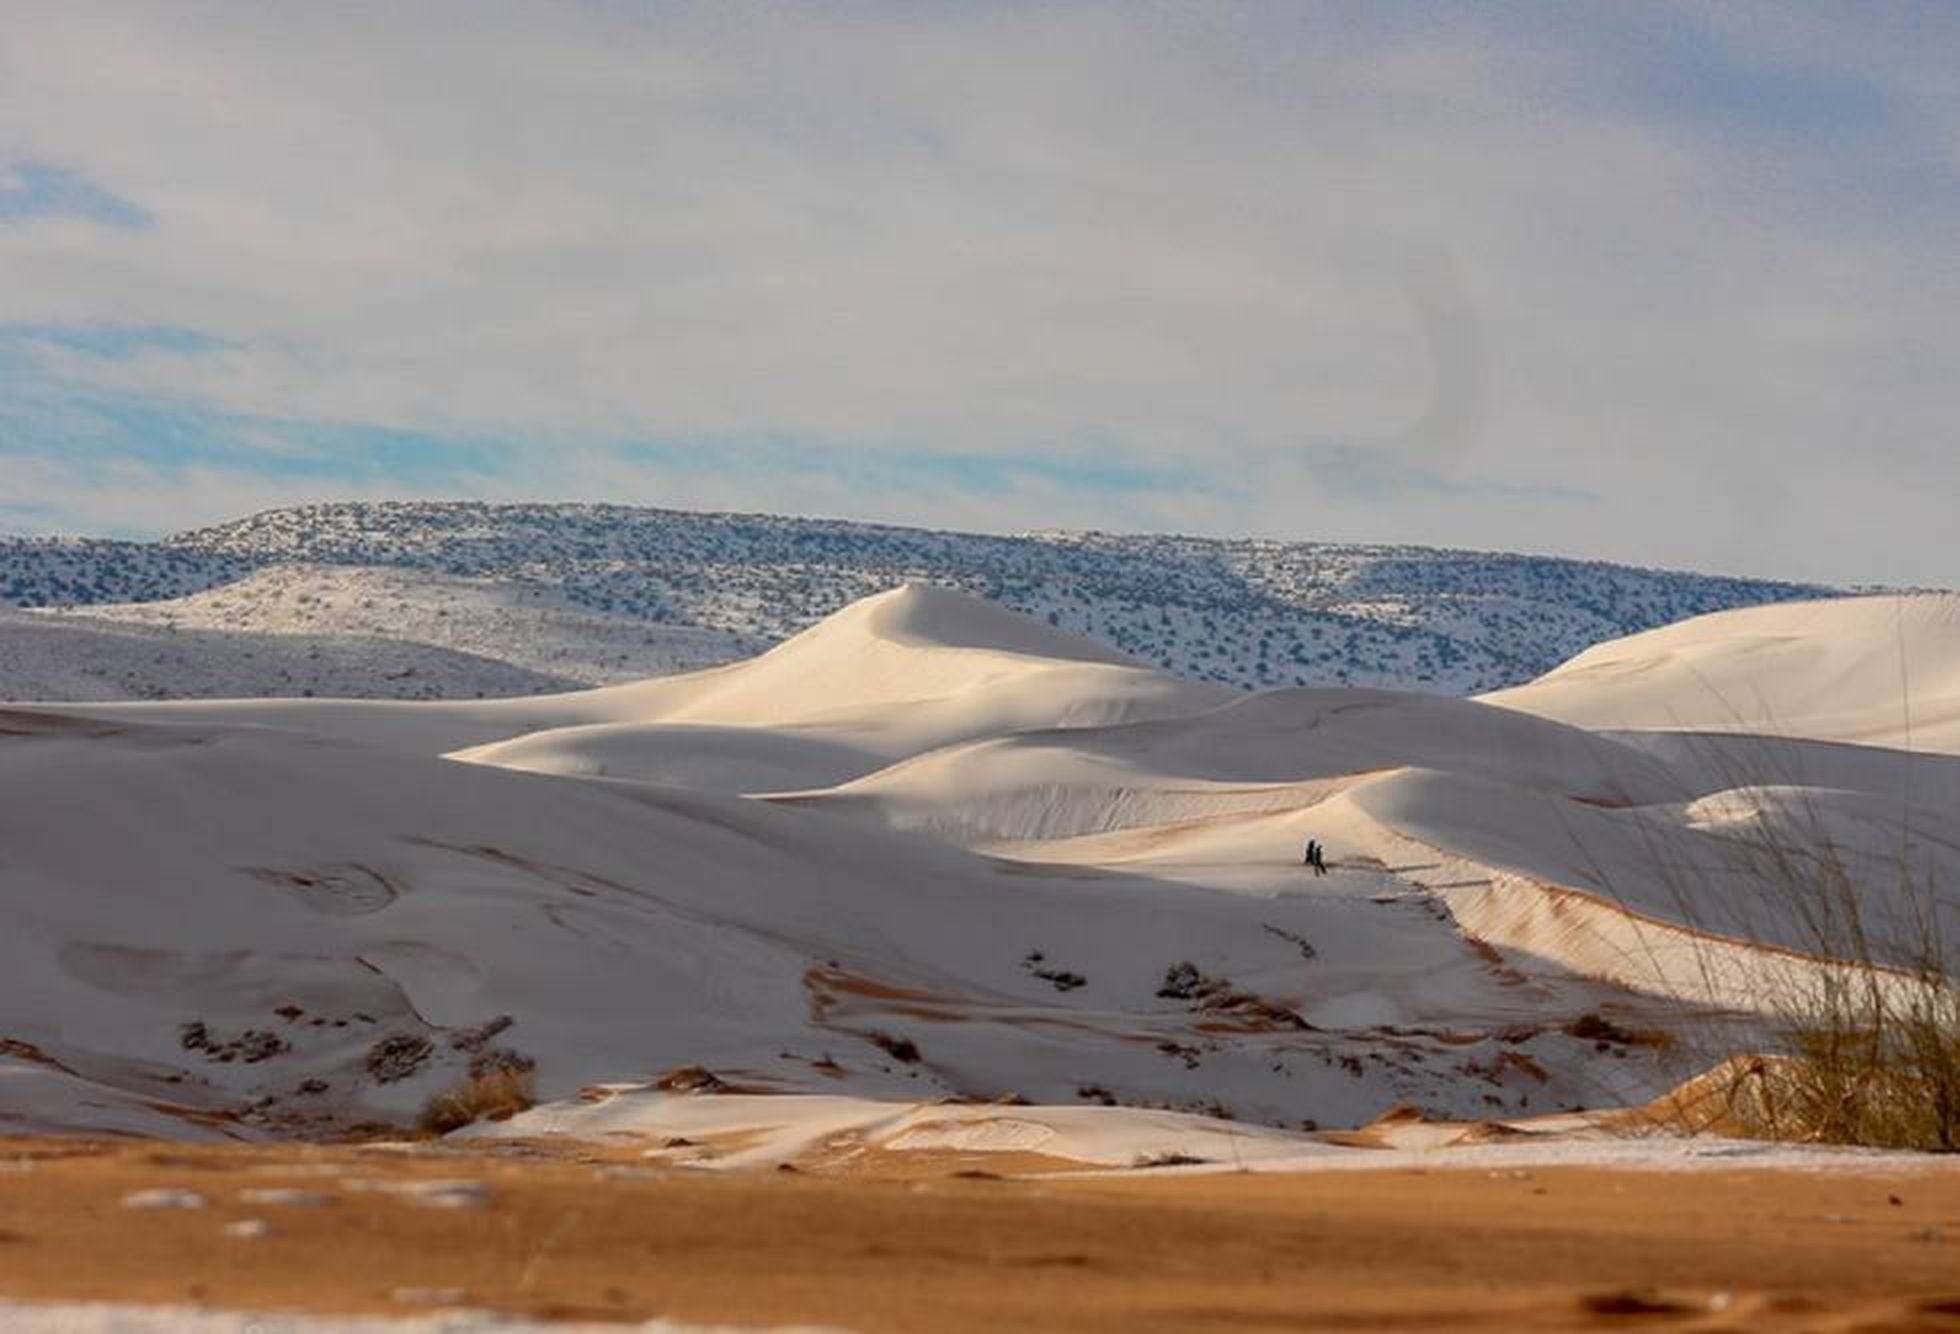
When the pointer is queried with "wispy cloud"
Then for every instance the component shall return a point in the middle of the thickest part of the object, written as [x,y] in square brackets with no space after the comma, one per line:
[1346,472]
[1403,272]
[35,190]
[111,342]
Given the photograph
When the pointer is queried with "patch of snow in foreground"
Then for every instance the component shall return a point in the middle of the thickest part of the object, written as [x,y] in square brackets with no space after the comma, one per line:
[1657,1154]
[102,1318]
[780,1128]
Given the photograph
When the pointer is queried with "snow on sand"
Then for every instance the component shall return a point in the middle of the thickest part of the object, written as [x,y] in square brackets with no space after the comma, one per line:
[998,859]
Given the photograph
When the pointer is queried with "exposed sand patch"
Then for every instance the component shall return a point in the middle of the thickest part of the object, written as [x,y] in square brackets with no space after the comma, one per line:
[580,1234]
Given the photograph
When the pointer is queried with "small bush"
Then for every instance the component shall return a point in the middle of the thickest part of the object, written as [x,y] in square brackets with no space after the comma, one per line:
[690,1079]
[1183,981]
[397,1056]
[899,1049]
[1168,1158]
[495,1095]
[1061,979]
[500,1060]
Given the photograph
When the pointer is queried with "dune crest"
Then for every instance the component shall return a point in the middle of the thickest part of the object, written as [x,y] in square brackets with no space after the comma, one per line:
[1876,670]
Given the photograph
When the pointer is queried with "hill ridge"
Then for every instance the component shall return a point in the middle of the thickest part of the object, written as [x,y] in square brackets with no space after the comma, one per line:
[1252,613]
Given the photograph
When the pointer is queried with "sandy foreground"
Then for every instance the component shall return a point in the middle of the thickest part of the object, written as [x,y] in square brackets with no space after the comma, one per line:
[936,1241]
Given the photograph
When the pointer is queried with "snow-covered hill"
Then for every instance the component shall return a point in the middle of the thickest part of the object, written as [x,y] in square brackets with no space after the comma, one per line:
[82,571]
[532,628]
[75,656]
[606,593]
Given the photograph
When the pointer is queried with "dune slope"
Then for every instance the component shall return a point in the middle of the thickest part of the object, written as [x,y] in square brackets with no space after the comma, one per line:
[251,929]
[1879,670]
[992,858]
[889,677]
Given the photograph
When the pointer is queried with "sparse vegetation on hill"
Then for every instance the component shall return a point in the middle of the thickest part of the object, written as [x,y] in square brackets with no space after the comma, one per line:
[1242,612]
[492,1093]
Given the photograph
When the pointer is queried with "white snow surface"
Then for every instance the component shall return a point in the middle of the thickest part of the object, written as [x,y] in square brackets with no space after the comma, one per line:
[95,656]
[927,849]
[530,628]
[1880,671]
[836,1130]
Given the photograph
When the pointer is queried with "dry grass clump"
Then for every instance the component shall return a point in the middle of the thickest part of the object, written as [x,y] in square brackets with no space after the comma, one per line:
[1865,1064]
[1853,1036]
[492,1094]
[1167,1158]
[1863,1050]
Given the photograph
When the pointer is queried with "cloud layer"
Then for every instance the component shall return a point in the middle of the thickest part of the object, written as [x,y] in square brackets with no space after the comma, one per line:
[1667,284]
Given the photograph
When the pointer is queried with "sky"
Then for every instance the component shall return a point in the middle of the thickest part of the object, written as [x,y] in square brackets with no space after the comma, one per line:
[1667,284]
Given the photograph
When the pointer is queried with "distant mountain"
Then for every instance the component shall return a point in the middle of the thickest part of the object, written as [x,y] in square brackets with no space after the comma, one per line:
[1246,613]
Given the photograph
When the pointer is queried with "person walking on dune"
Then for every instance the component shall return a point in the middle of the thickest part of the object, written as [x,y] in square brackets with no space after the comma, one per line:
[1314,857]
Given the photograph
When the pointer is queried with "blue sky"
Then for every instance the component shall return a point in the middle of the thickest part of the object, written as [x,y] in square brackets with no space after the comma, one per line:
[1666,283]
[32,191]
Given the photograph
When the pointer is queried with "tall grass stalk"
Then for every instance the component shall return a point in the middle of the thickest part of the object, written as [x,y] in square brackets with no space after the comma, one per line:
[1827,961]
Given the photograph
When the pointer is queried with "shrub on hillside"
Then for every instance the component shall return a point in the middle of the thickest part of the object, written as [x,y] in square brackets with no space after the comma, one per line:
[494,1094]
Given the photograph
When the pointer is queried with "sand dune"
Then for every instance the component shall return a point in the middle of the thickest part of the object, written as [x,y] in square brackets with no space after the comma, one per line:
[263,930]
[1884,671]
[889,677]
[994,858]
[892,676]
[1271,751]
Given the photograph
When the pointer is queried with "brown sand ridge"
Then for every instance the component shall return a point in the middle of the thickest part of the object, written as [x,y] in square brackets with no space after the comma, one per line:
[597,1233]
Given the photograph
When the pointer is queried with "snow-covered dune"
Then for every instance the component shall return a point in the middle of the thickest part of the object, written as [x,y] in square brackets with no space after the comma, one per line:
[708,757]
[1281,749]
[1880,670]
[927,848]
[892,676]
[253,929]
